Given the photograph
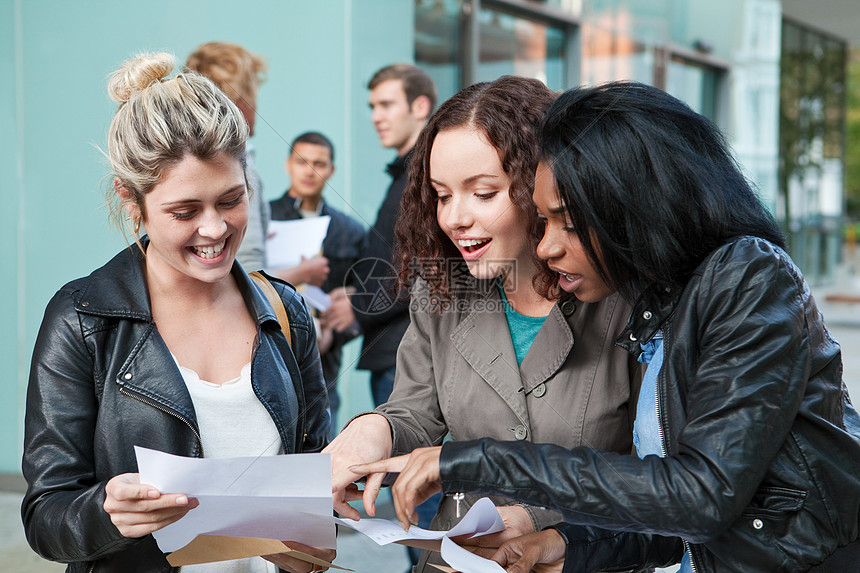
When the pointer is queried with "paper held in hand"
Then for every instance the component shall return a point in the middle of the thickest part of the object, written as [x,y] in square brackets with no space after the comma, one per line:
[482,519]
[270,498]
[289,241]
[249,505]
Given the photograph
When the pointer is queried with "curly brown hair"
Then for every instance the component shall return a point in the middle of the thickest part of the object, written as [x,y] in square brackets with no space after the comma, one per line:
[508,112]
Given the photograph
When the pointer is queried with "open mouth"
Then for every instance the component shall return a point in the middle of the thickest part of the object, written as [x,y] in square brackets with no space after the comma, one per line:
[472,245]
[209,251]
[569,282]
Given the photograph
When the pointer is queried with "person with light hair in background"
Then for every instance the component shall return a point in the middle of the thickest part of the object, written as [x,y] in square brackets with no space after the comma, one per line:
[169,346]
[239,73]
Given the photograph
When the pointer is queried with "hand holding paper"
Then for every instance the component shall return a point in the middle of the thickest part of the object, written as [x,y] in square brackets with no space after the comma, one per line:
[248,505]
[365,439]
[138,509]
[541,552]
[289,241]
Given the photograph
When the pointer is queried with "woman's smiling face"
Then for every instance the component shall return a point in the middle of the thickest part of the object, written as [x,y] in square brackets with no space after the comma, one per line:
[560,246]
[474,206]
[196,218]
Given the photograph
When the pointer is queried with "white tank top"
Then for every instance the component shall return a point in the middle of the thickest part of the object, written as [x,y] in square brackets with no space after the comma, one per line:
[233,423]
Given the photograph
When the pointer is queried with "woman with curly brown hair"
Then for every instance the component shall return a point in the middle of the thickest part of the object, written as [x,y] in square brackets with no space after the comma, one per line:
[490,352]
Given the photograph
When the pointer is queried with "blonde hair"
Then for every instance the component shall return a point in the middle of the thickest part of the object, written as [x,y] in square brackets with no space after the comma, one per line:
[234,69]
[159,121]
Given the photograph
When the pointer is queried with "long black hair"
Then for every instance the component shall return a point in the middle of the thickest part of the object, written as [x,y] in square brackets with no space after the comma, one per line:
[648,184]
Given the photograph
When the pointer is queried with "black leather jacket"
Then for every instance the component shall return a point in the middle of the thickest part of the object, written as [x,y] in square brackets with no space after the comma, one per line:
[102,381]
[380,307]
[763,446]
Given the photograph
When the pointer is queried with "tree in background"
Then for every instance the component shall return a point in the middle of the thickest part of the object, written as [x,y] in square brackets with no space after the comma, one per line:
[852,139]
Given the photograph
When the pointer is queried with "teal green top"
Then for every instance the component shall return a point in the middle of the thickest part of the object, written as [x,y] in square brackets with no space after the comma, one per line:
[523,328]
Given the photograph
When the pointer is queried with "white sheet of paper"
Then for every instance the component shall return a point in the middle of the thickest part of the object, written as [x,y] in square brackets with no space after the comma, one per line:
[275,497]
[315,297]
[384,532]
[482,519]
[465,561]
[289,241]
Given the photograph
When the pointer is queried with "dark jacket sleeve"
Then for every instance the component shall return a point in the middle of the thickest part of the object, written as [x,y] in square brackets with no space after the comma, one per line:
[378,300]
[591,549]
[304,345]
[62,511]
[752,359]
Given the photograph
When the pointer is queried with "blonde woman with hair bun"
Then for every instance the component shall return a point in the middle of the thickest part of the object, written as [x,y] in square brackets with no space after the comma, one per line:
[170,345]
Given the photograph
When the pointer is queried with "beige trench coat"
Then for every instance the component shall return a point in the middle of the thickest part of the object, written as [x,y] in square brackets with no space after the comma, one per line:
[457,373]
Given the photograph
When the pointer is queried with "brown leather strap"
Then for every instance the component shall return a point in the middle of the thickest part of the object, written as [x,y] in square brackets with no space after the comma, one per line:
[275,301]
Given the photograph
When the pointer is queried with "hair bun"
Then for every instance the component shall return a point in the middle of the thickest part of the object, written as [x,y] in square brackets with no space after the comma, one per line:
[138,73]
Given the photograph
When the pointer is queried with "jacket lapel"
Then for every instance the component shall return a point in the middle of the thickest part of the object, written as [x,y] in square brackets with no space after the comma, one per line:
[484,341]
[549,350]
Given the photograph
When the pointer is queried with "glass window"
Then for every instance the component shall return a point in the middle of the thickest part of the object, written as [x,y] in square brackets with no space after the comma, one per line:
[437,43]
[516,46]
[811,146]
[506,44]
[694,84]
[609,55]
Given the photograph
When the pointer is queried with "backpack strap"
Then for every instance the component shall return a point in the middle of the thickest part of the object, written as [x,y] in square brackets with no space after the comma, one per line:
[275,301]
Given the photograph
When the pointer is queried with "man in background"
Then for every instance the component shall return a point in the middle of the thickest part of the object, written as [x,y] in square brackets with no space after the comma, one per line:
[310,164]
[239,73]
[402,97]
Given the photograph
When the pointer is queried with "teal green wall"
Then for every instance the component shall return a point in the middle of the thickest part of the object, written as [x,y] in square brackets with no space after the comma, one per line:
[12,352]
[54,113]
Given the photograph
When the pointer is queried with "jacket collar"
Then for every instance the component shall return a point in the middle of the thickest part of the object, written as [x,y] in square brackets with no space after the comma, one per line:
[118,289]
[555,340]
[653,308]
[483,340]
[296,204]
[400,164]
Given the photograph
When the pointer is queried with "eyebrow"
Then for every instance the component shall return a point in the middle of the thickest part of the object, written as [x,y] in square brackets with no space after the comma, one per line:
[468,180]
[192,201]
[560,210]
